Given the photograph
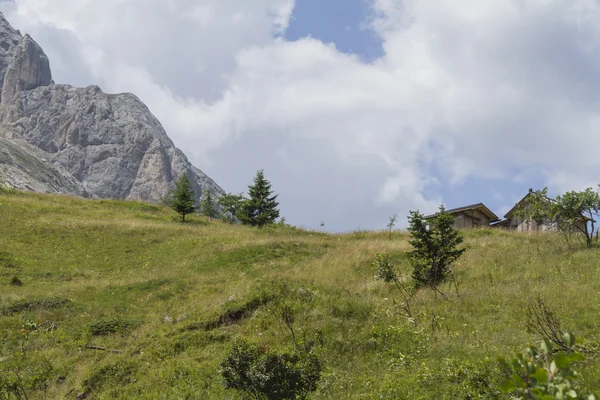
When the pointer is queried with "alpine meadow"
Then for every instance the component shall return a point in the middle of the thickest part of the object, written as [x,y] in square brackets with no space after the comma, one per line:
[117,299]
[299,200]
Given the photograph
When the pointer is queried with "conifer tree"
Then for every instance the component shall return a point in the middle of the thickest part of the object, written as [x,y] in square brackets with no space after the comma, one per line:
[260,208]
[435,249]
[208,208]
[182,198]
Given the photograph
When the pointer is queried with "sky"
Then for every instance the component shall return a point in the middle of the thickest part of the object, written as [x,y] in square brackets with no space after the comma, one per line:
[355,109]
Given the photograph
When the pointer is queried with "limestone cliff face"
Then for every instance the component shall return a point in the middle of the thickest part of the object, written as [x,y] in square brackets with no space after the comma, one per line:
[10,39]
[28,69]
[25,167]
[111,145]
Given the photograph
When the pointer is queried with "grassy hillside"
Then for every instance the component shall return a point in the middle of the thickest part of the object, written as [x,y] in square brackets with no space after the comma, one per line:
[170,299]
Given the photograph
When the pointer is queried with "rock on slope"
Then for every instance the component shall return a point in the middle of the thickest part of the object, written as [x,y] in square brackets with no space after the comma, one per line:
[27,168]
[107,146]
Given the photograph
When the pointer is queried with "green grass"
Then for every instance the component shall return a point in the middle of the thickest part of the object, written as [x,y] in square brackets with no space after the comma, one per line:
[166,300]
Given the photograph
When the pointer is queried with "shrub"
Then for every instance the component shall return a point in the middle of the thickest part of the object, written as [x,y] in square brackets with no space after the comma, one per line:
[21,376]
[230,206]
[543,321]
[259,373]
[435,248]
[542,373]
[386,271]
[473,380]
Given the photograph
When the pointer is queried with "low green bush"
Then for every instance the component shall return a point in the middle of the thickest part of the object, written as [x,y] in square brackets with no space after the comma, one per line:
[543,373]
[260,373]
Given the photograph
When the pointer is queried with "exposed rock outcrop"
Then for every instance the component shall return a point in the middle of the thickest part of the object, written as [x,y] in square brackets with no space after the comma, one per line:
[111,145]
[28,69]
[25,167]
[10,39]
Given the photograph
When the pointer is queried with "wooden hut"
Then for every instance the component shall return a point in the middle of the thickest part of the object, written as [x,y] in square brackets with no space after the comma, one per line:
[472,216]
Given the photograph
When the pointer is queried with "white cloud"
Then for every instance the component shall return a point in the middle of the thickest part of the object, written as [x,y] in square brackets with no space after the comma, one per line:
[563,181]
[176,55]
[466,88]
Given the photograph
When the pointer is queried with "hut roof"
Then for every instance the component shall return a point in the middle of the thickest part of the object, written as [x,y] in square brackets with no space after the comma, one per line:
[479,206]
[510,213]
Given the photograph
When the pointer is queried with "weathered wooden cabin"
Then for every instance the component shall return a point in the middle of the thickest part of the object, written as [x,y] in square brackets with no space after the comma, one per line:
[472,216]
[512,222]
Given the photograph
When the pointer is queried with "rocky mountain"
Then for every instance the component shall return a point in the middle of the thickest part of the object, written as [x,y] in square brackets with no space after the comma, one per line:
[28,168]
[62,139]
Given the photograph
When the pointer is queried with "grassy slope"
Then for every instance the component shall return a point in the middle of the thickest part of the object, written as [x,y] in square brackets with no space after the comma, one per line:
[132,263]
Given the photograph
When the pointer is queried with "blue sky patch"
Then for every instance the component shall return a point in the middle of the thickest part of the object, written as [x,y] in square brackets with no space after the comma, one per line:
[345,23]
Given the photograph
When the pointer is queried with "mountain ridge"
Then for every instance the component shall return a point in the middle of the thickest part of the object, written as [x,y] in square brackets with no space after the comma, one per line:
[111,144]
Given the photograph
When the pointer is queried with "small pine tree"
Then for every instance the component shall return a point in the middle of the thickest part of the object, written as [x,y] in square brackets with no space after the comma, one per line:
[182,198]
[391,224]
[434,249]
[208,208]
[261,208]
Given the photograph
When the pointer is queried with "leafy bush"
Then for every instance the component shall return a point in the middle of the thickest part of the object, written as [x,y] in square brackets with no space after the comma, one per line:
[20,376]
[544,374]
[473,380]
[577,212]
[260,373]
[386,271]
[573,212]
[230,206]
